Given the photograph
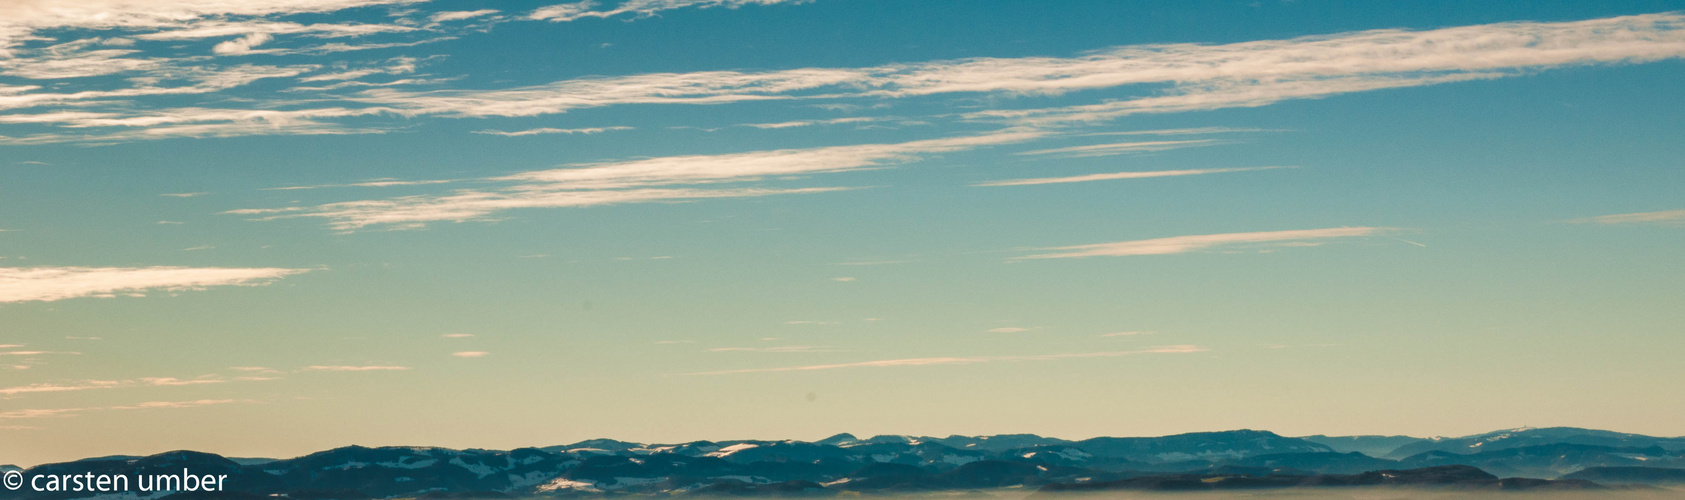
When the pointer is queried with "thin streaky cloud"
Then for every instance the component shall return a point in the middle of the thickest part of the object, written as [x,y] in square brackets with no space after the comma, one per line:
[1185,244]
[809,123]
[470,354]
[373,183]
[1120,175]
[574,11]
[1121,148]
[149,405]
[353,368]
[1187,131]
[1188,77]
[1126,334]
[459,15]
[787,348]
[1172,349]
[47,284]
[183,195]
[415,212]
[1672,217]
[87,385]
[739,166]
[635,181]
[78,386]
[547,130]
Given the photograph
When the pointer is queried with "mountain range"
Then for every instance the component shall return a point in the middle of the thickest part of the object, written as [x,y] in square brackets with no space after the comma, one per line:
[1528,458]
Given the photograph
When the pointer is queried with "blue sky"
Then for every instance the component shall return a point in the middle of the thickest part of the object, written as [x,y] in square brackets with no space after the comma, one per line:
[271,227]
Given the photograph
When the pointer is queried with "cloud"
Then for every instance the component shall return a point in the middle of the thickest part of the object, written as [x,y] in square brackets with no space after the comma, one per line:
[1154,78]
[1125,334]
[1186,131]
[809,123]
[470,354]
[87,385]
[635,181]
[457,335]
[844,279]
[1009,329]
[1671,217]
[787,348]
[373,183]
[1171,349]
[547,130]
[1185,244]
[1118,175]
[1120,148]
[744,166]
[1191,76]
[48,284]
[79,386]
[150,405]
[183,195]
[259,32]
[242,45]
[639,8]
[459,15]
[352,368]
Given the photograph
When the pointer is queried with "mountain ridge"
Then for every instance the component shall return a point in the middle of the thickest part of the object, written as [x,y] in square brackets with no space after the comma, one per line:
[845,462]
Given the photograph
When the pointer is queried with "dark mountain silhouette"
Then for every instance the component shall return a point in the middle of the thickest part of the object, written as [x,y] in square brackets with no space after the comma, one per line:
[1198,446]
[1374,446]
[847,463]
[1527,437]
[1551,460]
[1451,476]
[1631,475]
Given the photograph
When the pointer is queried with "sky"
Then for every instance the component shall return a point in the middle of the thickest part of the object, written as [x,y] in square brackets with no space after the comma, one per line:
[263,228]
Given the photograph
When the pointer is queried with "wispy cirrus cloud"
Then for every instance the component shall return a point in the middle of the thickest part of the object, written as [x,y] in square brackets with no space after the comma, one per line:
[149,405]
[1169,78]
[886,363]
[353,368]
[1186,244]
[547,130]
[87,385]
[573,11]
[458,15]
[1126,333]
[1668,217]
[783,348]
[371,183]
[46,284]
[1118,148]
[1193,76]
[809,123]
[636,181]
[1119,175]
